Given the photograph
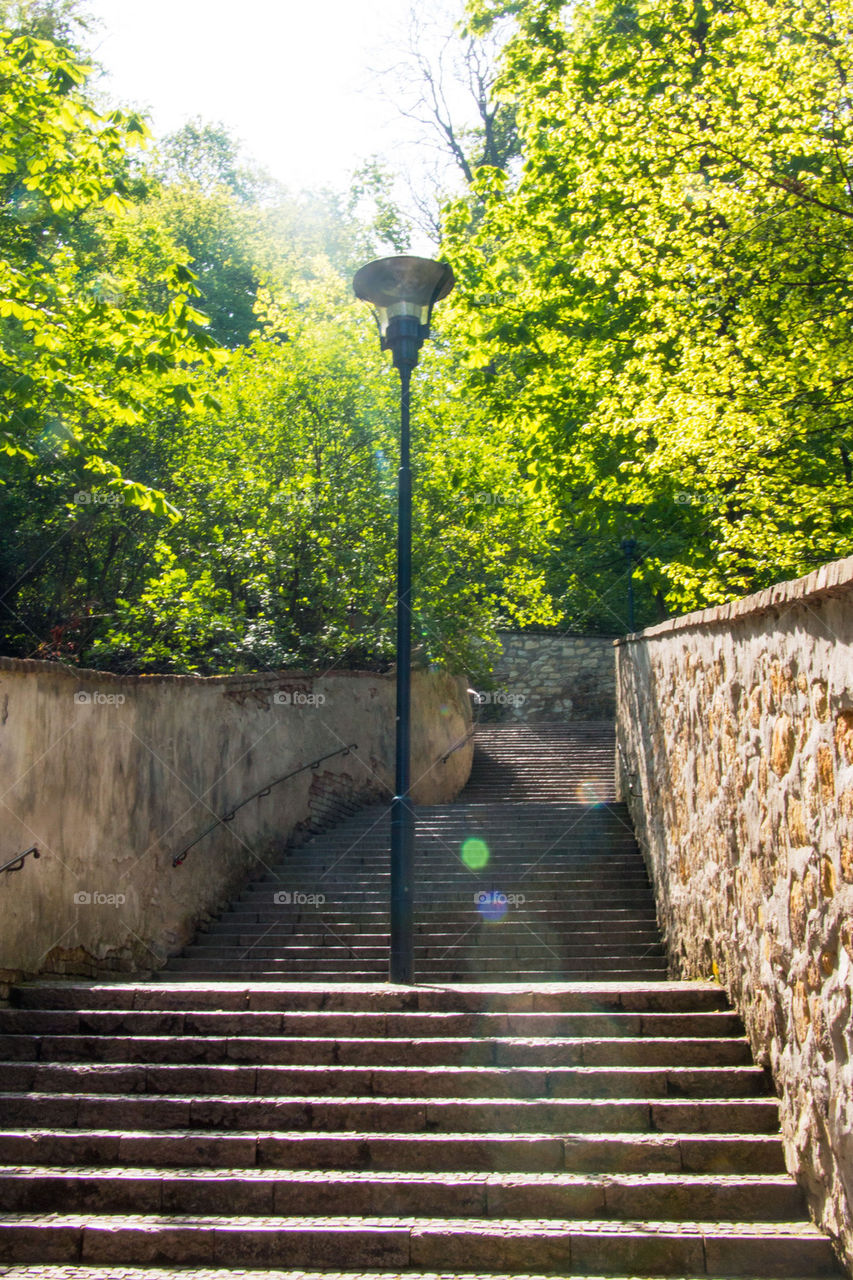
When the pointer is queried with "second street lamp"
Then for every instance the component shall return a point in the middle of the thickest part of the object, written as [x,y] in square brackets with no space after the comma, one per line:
[403,292]
[629,550]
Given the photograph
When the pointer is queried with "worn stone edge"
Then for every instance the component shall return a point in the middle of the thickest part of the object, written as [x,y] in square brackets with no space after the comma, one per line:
[833,579]
[246,680]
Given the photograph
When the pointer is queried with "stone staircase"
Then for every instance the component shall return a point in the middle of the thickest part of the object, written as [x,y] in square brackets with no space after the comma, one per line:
[534,874]
[305,1128]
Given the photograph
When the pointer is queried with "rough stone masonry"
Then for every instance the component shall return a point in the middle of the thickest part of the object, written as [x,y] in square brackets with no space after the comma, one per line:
[550,677]
[735,729]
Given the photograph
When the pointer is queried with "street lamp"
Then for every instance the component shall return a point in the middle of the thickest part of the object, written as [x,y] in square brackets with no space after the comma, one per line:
[403,292]
[629,550]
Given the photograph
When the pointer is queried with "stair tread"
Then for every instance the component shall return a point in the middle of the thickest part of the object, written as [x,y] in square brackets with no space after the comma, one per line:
[250,1173]
[79,1271]
[545,1100]
[520,1226]
[384,1135]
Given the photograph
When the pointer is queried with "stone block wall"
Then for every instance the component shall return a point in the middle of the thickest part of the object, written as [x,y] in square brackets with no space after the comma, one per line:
[110,778]
[551,677]
[735,727]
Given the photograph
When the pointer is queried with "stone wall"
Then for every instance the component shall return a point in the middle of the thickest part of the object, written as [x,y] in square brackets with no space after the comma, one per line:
[110,778]
[736,732]
[550,677]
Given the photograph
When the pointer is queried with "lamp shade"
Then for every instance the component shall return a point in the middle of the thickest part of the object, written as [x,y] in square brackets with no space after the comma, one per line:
[403,286]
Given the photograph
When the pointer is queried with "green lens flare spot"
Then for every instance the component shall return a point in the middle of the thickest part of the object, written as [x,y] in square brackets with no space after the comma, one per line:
[475,853]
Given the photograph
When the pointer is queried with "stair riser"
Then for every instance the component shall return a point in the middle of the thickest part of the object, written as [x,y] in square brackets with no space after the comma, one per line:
[57,1023]
[457,968]
[424,937]
[458,974]
[628,1055]
[493,951]
[388,1082]
[675,997]
[539,896]
[432,922]
[399,1248]
[429,1197]
[747,1155]
[473,1116]
[604,853]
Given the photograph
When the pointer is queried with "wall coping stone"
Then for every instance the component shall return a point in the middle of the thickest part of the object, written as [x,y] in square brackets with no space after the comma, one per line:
[243,680]
[833,579]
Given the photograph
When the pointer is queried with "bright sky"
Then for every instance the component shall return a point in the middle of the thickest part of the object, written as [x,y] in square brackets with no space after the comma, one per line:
[294,80]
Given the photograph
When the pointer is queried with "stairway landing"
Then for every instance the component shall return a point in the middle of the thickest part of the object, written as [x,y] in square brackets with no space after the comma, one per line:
[533,874]
[515,1125]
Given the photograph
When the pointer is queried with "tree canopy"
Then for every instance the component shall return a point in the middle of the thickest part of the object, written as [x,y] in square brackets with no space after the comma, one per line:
[662,296]
[645,364]
[200,432]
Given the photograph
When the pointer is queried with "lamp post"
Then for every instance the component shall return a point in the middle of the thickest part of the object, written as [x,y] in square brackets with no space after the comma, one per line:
[403,292]
[629,549]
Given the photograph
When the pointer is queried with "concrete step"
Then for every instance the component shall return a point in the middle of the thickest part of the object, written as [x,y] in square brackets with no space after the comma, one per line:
[271,1105]
[279,1192]
[296,948]
[597,1153]
[668,997]
[571,895]
[456,1084]
[655,1248]
[444,974]
[86,1110]
[224,935]
[105,1022]
[448,918]
[457,971]
[75,1272]
[545,1052]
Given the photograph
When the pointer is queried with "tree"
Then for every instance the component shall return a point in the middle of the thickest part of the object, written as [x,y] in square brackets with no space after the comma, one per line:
[71,356]
[661,297]
[285,553]
[445,85]
[63,22]
[82,355]
[207,156]
[167,507]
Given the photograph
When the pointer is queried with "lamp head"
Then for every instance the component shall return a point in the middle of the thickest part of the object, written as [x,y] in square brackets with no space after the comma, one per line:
[403,291]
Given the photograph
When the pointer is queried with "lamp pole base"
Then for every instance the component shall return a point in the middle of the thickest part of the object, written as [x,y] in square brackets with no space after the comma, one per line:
[402,963]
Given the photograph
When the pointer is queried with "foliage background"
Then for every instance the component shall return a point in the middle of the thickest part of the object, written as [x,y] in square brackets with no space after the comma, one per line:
[649,341]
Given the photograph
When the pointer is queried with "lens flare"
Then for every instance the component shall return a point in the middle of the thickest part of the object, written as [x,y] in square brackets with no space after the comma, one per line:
[475,853]
[590,793]
[492,906]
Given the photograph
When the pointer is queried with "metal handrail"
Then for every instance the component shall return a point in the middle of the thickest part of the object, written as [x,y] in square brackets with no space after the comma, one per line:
[629,774]
[469,735]
[17,863]
[264,791]
[461,743]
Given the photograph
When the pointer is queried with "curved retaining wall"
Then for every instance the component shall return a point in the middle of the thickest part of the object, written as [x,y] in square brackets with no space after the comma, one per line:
[542,677]
[110,777]
[735,728]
